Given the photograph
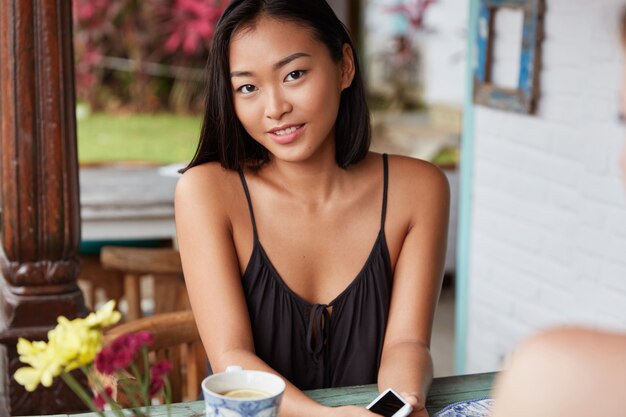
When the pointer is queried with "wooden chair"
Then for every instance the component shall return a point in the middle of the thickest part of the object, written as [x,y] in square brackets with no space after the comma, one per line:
[176,339]
[163,264]
[93,278]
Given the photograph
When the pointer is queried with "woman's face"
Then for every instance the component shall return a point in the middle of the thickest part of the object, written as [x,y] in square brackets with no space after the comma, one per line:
[287,87]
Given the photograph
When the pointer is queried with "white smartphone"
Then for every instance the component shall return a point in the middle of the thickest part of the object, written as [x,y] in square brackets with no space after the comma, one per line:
[390,404]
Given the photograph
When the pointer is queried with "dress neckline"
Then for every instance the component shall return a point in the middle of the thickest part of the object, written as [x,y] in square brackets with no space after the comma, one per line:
[258,250]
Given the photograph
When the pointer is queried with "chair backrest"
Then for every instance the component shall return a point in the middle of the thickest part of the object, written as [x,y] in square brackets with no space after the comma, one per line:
[163,264]
[141,260]
[176,339]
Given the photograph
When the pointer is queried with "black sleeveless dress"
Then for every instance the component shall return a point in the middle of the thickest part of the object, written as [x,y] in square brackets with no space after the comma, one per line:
[302,341]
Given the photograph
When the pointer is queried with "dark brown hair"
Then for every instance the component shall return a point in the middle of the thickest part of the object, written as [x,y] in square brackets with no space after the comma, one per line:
[223,137]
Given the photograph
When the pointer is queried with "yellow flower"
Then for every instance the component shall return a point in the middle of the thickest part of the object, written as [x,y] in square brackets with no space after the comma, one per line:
[44,364]
[27,349]
[74,342]
[105,316]
[71,344]
[28,377]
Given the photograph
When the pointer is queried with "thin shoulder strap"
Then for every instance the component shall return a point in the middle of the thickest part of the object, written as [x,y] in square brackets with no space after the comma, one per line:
[385,181]
[245,189]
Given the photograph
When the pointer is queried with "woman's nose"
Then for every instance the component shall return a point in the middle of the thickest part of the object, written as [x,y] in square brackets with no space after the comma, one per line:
[277,105]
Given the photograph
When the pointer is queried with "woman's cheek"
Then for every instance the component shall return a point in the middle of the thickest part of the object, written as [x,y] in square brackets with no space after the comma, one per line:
[245,112]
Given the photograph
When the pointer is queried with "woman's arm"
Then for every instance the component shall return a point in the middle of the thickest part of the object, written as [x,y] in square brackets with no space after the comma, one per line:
[205,197]
[421,194]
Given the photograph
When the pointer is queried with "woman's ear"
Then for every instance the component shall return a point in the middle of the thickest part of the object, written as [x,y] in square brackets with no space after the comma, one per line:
[347,67]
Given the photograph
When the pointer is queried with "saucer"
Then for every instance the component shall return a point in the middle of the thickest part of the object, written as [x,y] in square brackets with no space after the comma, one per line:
[472,408]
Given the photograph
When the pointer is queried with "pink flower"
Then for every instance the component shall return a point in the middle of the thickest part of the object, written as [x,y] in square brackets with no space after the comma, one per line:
[90,10]
[414,11]
[100,399]
[190,24]
[157,372]
[121,352]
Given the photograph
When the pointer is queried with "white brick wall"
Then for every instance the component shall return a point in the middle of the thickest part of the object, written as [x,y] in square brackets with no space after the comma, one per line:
[548,241]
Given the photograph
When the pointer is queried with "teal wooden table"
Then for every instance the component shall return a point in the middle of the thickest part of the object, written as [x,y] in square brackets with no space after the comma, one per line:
[443,391]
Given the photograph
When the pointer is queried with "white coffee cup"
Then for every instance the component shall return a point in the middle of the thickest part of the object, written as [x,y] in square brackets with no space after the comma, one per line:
[242,393]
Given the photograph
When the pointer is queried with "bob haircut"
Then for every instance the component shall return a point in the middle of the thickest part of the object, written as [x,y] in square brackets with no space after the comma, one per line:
[223,137]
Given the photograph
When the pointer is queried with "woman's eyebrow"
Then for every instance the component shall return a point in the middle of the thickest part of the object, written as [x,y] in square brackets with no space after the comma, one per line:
[277,65]
[290,58]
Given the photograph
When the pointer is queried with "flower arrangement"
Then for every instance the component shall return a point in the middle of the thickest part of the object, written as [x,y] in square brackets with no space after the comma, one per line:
[78,344]
[414,11]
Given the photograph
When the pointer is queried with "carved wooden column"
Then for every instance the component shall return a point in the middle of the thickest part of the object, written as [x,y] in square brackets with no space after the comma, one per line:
[39,201]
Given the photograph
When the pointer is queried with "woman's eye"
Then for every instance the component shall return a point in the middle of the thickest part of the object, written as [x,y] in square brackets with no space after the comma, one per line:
[246,89]
[294,75]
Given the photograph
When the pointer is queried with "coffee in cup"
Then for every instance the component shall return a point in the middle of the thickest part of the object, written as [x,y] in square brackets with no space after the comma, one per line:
[245,393]
[242,393]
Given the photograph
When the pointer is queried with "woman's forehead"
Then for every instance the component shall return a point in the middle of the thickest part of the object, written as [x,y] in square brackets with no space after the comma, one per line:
[264,20]
[270,38]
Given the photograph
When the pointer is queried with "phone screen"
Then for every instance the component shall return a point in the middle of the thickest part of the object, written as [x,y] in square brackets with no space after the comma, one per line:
[388,405]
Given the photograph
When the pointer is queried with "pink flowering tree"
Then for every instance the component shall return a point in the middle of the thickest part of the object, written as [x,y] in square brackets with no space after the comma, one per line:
[189,25]
[130,54]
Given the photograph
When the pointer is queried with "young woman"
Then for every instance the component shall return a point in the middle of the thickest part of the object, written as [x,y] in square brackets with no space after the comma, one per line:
[304,253]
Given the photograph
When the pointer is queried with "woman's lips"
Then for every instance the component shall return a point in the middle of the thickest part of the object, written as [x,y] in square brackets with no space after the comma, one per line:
[287,135]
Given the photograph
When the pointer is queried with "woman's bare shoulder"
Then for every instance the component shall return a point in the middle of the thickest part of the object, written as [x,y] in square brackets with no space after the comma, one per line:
[208,184]
[416,177]
[209,177]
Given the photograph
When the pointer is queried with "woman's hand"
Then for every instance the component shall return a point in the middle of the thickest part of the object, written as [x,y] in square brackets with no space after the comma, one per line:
[419,407]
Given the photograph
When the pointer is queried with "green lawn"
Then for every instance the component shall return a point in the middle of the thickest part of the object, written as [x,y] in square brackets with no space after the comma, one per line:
[160,138]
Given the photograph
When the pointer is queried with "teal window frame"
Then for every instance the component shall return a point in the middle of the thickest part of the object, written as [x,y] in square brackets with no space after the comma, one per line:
[522,99]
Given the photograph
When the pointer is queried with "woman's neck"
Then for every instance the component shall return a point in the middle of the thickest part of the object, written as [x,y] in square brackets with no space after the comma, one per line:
[313,181]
